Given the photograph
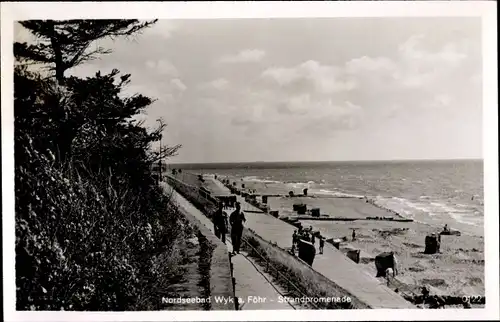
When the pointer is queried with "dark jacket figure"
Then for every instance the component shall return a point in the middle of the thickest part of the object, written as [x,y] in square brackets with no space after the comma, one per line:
[313,239]
[236,220]
[220,223]
[294,240]
[353,234]
[303,236]
[321,245]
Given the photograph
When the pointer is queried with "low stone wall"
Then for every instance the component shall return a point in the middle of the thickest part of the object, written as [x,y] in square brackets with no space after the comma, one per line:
[205,204]
[310,282]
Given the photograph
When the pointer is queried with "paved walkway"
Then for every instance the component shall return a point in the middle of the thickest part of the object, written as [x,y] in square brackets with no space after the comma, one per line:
[252,284]
[219,187]
[333,264]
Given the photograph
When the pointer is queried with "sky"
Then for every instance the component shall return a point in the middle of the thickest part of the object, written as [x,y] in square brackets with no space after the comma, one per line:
[246,90]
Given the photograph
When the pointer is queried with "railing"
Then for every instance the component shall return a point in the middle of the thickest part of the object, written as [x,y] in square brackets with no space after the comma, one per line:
[279,275]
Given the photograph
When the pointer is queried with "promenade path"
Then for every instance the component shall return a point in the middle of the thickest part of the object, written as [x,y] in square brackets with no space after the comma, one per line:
[250,281]
[333,264]
[219,188]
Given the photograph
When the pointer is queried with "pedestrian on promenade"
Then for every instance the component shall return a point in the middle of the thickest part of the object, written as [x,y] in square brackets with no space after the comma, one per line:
[294,240]
[388,272]
[321,244]
[353,234]
[215,222]
[223,226]
[219,219]
[236,220]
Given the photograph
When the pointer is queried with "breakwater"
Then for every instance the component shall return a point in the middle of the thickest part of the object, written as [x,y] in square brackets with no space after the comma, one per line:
[295,218]
[245,192]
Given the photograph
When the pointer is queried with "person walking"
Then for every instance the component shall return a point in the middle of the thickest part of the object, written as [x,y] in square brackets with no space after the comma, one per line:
[294,241]
[305,236]
[215,222]
[236,220]
[388,273]
[353,234]
[223,226]
[218,220]
[321,244]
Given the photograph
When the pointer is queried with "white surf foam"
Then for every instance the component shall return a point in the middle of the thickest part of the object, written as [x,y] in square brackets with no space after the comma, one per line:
[425,209]
[433,212]
[335,193]
[259,180]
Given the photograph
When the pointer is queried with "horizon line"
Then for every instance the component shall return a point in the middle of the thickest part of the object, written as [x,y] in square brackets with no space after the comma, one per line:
[326,161]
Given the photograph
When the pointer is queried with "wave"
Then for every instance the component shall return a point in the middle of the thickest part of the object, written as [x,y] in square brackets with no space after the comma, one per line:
[468,217]
[335,193]
[424,209]
[260,180]
[299,185]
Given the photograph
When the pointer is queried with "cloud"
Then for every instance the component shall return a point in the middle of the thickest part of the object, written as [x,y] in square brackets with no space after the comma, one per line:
[420,67]
[163,28]
[372,64]
[306,115]
[244,56]
[311,75]
[450,53]
[178,84]
[413,67]
[441,101]
[217,84]
[162,66]
[319,108]
[239,120]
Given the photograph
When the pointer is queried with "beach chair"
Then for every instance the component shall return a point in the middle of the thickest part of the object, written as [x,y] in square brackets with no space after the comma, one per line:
[432,244]
[307,251]
[353,254]
[383,261]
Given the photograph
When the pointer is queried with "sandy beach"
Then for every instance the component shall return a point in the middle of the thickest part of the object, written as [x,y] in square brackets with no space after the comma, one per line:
[458,270]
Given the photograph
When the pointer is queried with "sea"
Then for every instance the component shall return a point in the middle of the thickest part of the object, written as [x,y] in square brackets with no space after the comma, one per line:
[434,192]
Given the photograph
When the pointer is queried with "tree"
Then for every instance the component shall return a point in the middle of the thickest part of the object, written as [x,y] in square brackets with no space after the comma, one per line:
[66,43]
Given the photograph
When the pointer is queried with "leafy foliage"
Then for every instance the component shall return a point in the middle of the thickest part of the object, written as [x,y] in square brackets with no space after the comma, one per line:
[93,229]
[67,43]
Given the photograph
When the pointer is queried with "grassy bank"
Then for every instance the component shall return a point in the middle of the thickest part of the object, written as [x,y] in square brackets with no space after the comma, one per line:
[82,244]
[216,267]
[205,259]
